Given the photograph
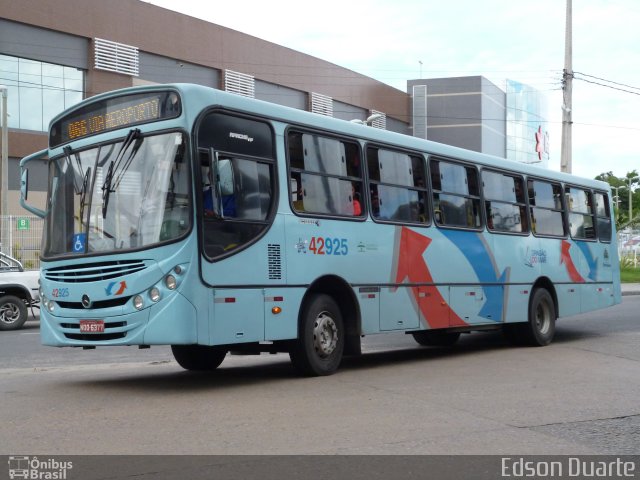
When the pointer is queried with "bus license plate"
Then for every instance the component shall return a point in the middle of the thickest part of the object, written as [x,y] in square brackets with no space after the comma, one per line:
[92,326]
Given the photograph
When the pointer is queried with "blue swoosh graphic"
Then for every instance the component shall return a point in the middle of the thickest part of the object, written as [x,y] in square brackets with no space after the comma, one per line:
[476,252]
[591,261]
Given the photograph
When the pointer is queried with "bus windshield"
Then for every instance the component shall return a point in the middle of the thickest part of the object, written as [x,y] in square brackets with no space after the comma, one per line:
[124,195]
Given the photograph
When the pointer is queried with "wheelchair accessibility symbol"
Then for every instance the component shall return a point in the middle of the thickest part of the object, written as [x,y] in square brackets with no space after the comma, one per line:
[79,242]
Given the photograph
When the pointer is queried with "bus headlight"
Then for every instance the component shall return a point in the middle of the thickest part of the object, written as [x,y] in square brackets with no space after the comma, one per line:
[50,306]
[154,294]
[138,302]
[171,282]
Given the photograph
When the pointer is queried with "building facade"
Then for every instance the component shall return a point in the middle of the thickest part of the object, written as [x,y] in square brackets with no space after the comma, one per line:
[54,54]
[474,113]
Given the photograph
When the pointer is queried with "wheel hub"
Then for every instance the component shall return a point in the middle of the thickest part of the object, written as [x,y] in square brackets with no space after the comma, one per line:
[9,314]
[325,335]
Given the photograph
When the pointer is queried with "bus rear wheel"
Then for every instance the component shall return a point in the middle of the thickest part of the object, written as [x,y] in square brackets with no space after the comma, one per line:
[436,338]
[540,329]
[198,357]
[321,337]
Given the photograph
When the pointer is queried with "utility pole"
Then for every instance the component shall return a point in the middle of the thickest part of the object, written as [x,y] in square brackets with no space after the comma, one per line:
[567,79]
[4,169]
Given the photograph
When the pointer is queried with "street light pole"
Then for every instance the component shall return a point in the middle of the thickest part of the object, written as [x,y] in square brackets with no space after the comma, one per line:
[629,181]
[616,199]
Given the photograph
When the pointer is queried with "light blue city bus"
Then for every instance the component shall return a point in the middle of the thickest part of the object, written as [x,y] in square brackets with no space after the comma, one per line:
[182,215]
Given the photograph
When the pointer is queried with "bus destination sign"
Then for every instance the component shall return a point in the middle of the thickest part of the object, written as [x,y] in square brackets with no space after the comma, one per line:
[114,113]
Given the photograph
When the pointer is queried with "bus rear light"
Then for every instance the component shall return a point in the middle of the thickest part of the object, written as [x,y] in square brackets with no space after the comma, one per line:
[171,282]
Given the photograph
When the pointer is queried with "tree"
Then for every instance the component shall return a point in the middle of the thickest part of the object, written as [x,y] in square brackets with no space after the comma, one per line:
[620,186]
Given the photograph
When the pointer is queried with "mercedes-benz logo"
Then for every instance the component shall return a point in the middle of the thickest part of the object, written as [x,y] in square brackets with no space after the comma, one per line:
[86,301]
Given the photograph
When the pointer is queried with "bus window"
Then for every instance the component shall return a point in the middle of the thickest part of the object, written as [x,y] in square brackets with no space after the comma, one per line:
[545,202]
[581,215]
[398,187]
[456,196]
[325,175]
[505,203]
[237,181]
[603,217]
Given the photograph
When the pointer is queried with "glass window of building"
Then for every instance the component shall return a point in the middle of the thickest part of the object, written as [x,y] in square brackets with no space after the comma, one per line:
[38,91]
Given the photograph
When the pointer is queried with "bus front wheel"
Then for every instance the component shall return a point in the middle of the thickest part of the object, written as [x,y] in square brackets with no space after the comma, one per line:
[321,337]
[198,357]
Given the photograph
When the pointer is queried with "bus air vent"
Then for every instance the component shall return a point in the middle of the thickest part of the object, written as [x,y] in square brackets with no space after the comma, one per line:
[94,272]
[275,262]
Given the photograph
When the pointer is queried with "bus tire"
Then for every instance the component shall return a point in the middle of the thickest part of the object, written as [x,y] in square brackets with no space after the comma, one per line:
[13,313]
[542,319]
[540,328]
[436,338]
[321,338]
[198,357]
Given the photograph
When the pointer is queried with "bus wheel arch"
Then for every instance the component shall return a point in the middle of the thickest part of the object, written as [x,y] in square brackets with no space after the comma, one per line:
[328,327]
[542,313]
[337,288]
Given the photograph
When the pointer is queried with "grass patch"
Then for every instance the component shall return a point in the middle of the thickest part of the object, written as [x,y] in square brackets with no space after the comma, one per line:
[629,275]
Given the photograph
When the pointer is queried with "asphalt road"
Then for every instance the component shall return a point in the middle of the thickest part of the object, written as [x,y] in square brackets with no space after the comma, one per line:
[580,395]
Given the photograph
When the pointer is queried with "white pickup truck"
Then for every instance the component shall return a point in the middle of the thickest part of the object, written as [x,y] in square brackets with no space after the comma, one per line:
[19,291]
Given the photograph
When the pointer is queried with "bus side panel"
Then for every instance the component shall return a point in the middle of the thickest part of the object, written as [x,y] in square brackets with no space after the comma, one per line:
[369,300]
[519,260]
[358,252]
[283,325]
[476,274]
[172,323]
[235,316]
[398,310]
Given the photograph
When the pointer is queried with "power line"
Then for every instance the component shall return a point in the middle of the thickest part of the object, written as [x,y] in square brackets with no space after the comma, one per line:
[608,86]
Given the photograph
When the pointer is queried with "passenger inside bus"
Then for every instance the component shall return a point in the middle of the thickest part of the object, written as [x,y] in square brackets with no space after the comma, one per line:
[357,208]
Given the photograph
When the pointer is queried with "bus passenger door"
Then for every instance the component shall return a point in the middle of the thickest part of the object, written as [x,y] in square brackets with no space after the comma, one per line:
[398,308]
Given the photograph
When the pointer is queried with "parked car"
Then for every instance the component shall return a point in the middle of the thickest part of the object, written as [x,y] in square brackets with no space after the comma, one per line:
[19,292]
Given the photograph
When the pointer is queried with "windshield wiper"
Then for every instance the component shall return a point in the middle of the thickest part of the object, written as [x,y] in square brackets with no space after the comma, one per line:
[82,189]
[83,192]
[68,151]
[135,135]
[107,189]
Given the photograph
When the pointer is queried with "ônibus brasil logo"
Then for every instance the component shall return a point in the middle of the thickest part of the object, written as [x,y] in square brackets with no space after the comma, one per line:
[38,469]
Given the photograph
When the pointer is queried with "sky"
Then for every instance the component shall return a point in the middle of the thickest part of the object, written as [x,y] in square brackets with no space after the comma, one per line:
[397,40]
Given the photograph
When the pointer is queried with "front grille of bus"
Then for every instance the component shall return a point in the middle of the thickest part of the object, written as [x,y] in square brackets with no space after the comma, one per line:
[95,337]
[94,272]
[112,302]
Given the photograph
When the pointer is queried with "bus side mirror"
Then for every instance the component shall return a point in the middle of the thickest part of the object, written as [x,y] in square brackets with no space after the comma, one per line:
[24,182]
[24,185]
